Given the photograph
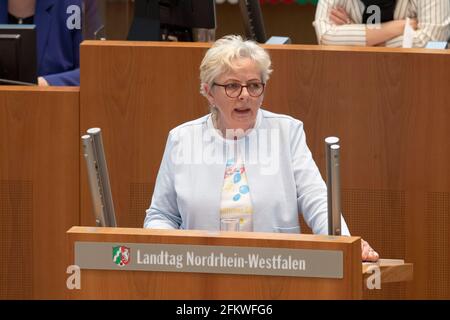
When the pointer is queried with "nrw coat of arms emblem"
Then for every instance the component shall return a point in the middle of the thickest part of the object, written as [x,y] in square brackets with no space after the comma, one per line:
[121,255]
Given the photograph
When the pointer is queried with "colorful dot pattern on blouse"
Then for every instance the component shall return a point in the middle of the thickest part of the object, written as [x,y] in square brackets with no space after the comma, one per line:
[236,201]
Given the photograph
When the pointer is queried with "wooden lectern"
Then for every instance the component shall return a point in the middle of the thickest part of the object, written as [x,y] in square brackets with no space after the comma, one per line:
[120,283]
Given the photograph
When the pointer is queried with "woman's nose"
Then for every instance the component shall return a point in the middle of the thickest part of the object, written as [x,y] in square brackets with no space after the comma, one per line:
[244,93]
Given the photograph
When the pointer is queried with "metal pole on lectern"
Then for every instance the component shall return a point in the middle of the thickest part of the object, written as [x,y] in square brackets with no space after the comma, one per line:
[89,155]
[99,178]
[333,185]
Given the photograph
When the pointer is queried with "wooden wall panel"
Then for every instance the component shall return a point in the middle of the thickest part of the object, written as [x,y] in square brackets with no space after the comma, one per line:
[16,237]
[388,106]
[39,188]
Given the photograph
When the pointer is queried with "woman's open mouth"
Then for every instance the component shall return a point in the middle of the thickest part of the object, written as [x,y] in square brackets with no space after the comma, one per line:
[243,111]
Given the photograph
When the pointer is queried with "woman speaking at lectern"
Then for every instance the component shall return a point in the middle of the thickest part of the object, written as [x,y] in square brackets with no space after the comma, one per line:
[239,162]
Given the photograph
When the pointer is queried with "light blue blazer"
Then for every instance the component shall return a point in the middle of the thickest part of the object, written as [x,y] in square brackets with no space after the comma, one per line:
[282,176]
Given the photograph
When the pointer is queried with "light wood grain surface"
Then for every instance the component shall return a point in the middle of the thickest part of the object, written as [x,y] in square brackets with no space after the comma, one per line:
[39,188]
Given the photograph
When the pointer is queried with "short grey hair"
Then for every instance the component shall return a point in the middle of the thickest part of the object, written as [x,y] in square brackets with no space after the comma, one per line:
[221,57]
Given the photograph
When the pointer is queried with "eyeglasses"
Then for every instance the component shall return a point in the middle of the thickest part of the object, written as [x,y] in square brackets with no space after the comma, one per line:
[234,89]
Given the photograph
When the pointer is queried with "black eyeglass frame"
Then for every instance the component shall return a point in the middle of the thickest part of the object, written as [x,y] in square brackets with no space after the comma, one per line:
[224,86]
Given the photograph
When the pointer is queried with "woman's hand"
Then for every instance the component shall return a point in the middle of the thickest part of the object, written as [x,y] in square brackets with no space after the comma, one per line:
[367,253]
[42,82]
[339,16]
[413,23]
[399,25]
[379,34]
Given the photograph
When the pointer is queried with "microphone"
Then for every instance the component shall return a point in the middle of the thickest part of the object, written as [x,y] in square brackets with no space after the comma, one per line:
[332,149]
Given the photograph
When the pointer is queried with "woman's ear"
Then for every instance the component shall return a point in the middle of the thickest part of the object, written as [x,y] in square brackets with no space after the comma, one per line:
[209,95]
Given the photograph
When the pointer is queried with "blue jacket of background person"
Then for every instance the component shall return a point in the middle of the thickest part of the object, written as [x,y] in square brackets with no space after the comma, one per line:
[58,47]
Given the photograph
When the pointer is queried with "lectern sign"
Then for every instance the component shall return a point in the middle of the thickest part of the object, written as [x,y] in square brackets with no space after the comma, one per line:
[209,259]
